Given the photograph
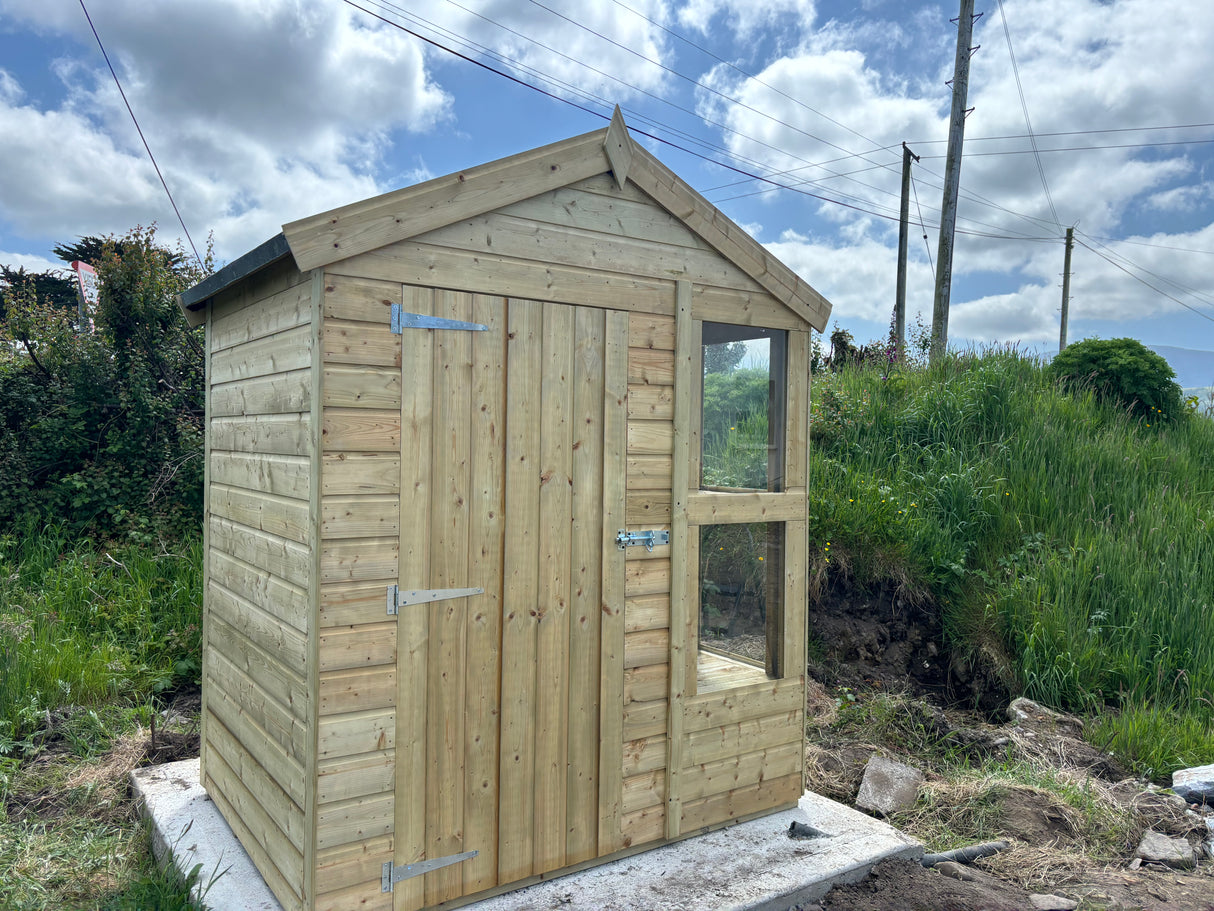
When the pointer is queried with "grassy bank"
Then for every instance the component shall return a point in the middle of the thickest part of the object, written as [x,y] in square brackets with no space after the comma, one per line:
[94,640]
[1068,545]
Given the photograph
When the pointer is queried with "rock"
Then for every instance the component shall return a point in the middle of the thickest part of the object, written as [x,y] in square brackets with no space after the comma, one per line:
[1158,848]
[1195,785]
[888,786]
[954,870]
[1052,903]
[1032,714]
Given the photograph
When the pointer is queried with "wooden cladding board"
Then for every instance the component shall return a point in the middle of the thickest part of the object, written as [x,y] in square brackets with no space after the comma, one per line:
[258,710]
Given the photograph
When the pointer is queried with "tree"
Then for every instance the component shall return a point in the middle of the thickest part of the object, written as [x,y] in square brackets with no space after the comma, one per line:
[50,286]
[102,431]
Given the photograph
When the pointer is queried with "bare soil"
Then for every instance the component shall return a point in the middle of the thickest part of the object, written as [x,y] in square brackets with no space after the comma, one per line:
[876,642]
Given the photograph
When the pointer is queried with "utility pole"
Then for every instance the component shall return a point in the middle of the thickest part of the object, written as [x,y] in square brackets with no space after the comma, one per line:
[1066,285]
[903,235]
[952,181]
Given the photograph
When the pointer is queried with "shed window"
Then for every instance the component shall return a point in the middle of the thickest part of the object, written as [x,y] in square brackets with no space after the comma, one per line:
[742,594]
[742,421]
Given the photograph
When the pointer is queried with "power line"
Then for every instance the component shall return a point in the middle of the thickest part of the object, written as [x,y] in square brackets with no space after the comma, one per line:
[1143,243]
[1179,126]
[654,136]
[923,227]
[1007,33]
[1128,145]
[1175,284]
[1143,281]
[969,195]
[139,130]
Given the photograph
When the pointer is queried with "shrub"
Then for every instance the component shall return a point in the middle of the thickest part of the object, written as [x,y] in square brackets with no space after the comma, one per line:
[1123,371]
[101,428]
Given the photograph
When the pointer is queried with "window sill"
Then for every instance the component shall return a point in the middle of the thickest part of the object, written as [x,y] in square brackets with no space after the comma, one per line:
[717,672]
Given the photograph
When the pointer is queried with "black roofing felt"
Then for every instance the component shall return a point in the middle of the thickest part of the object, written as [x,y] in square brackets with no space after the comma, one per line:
[256,259]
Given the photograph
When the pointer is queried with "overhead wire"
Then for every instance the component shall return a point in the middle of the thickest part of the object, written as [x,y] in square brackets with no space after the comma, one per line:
[749,175]
[1143,281]
[862,200]
[138,129]
[1167,281]
[656,137]
[923,227]
[1028,123]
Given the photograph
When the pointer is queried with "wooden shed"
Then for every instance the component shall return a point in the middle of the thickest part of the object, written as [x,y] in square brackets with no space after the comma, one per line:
[505,529]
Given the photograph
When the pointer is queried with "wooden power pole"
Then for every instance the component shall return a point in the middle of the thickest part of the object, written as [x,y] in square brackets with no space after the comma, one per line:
[903,235]
[952,181]
[1066,286]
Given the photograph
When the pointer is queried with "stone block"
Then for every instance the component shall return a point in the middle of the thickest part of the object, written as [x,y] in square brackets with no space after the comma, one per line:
[888,786]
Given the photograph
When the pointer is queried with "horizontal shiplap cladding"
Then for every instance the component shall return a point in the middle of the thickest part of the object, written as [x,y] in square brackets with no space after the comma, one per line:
[283,296]
[268,552]
[290,349]
[279,862]
[276,393]
[284,476]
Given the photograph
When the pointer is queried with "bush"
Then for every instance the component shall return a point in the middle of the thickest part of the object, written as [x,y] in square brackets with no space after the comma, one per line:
[1123,371]
[101,426]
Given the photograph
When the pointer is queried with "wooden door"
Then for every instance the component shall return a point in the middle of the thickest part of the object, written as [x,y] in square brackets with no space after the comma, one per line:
[509,483]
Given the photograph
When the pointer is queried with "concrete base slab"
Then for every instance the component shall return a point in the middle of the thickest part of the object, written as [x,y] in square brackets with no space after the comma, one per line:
[187,829]
[753,865]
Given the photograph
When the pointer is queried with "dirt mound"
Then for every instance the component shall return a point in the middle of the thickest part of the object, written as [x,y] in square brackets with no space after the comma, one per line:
[884,638]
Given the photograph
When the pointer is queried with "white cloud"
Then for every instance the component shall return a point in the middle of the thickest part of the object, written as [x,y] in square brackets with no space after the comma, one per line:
[747,16]
[258,113]
[30,263]
[1095,68]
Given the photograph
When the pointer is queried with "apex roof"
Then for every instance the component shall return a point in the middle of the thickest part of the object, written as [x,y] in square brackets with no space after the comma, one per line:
[360,227]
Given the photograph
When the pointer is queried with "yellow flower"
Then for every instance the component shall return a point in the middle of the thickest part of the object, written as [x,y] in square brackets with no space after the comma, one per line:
[760,559]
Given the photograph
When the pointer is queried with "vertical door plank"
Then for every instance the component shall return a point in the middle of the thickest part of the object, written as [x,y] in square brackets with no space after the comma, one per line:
[448,569]
[581,805]
[521,591]
[487,536]
[412,629]
[681,581]
[611,667]
[555,544]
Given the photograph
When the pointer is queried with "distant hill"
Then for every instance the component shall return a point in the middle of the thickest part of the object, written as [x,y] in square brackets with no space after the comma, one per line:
[1194,369]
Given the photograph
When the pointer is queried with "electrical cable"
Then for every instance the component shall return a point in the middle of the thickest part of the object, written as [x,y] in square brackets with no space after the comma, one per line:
[654,136]
[139,130]
[1007,33]
[1143,281]
[923,227]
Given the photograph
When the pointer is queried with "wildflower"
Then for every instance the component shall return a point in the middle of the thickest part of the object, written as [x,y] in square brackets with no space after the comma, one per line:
[760,559]
[914,505]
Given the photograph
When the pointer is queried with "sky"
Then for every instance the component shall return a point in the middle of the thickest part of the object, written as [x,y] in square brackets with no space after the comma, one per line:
[259,112]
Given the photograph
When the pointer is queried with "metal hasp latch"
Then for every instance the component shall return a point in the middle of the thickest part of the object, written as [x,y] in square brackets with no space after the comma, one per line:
[648,538]
[398,598]
[392,874]
[402,321]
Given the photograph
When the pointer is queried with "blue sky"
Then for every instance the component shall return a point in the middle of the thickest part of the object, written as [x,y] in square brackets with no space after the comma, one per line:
[263,112]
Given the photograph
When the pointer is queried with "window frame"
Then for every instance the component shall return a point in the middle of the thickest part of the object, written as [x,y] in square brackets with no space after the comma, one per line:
[786,506]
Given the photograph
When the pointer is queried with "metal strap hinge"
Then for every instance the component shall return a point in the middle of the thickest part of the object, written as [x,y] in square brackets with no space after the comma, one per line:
[398,598]
[402,321]
[648,538]
[393,874]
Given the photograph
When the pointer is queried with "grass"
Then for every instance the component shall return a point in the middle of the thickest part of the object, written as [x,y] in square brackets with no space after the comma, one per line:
[91,637]
[82,624]
[1064,542]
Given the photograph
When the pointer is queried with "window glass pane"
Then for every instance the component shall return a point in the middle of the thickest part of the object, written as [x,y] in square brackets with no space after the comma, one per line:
[741,592]
[742,421]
